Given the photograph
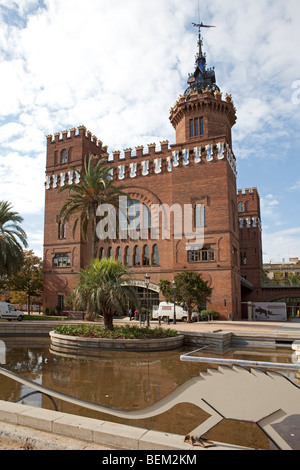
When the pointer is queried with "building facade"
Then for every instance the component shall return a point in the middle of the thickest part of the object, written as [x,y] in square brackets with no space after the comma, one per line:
[192,185]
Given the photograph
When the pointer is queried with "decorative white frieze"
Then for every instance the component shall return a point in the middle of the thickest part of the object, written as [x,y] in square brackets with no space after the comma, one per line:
[220,147]
[160,164]
[77,177]
[209,152]
[231,159]
[54,181]
[62,179]
[133,168]
[250,222]
[175,154]
[70,177]
[145,168]
[197,151]
[121,172]
[186,156]
[157,163]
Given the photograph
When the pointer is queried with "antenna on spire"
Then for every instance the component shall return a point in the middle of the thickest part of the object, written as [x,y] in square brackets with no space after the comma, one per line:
[199,26]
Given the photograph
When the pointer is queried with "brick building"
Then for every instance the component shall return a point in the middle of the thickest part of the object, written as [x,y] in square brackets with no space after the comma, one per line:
[197,172]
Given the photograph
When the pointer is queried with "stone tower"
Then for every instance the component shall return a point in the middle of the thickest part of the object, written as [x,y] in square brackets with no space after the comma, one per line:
[250,243]
[64,254]
[203,121]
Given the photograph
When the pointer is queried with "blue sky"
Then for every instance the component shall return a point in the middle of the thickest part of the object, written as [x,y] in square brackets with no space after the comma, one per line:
[117,67]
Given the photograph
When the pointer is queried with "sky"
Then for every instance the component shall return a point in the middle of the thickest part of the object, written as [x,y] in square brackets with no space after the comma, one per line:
[117,67]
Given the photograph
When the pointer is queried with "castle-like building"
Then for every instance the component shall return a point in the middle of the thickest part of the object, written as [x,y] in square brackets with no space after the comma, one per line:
[198,172]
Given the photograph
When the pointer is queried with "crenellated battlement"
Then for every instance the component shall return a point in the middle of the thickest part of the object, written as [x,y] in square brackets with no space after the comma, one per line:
[80,131]
[206,99]
[247,192]
[161,162]
[138,152]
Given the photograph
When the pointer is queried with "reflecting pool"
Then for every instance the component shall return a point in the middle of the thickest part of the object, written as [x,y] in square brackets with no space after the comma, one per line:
[128,381]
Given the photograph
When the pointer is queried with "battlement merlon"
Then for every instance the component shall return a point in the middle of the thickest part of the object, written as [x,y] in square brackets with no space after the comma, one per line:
[205,96]
[129,154]
[74,133]
[248,191]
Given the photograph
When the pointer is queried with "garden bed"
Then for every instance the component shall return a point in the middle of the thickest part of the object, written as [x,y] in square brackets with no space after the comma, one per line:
[130,338]
[119,332]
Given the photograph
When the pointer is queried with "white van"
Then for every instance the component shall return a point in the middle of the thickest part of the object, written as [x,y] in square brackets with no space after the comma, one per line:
[9,312]
[165,311]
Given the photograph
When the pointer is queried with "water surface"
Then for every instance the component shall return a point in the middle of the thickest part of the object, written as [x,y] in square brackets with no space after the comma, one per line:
[127,380]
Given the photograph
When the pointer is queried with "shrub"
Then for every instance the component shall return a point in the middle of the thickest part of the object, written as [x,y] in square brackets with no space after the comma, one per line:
[119,332]
[206,314]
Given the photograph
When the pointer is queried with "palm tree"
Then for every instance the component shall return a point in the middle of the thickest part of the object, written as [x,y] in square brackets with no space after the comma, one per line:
[12,239]
[101,290]
[96,188]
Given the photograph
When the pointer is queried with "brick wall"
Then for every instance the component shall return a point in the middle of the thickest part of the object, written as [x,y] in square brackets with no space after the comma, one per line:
[210,181]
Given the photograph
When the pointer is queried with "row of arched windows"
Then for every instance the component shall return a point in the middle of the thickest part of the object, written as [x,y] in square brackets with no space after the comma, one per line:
[133,257]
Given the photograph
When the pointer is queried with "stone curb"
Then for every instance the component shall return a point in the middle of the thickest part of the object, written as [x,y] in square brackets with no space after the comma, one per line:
[95,432]
[65,343]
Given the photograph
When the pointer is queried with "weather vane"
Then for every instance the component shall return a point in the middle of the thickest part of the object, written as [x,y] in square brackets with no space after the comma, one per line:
[201,25]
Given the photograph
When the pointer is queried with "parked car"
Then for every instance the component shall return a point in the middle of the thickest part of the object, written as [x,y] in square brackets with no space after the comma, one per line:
[9,312]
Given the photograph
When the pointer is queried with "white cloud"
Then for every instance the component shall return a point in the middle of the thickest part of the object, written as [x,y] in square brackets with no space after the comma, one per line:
[281,244]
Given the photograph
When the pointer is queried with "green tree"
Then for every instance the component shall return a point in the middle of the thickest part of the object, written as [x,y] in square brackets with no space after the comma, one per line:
[12,239]
[29,278]
[190,290]
[101,290]
[96,187]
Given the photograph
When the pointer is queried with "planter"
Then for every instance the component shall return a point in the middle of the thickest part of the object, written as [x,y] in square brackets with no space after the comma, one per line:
[71,344]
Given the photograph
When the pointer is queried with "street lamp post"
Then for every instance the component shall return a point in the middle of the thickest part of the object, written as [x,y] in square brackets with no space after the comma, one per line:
[174,316]
[147,280]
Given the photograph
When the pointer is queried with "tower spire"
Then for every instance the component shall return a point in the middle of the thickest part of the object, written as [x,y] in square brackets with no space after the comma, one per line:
[201,78]
[200,42]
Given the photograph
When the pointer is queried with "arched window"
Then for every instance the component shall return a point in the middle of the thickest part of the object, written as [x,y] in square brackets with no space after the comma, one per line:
[199,215]
[139,216]
[110,253]
[61,230]
[146,257]
[63,156]
[119,254]
[137,258]
[241,207]
[102,253]
[155,256]
[127,256]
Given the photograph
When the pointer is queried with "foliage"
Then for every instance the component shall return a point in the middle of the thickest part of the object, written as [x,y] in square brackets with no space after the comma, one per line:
[119,332]
[96,187]
[205,314]
[279,279]
[29,279]
[190,290]
[12,240]
[101,290]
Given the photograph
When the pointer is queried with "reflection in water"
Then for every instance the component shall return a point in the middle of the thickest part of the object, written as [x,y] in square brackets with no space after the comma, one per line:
[126,381]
